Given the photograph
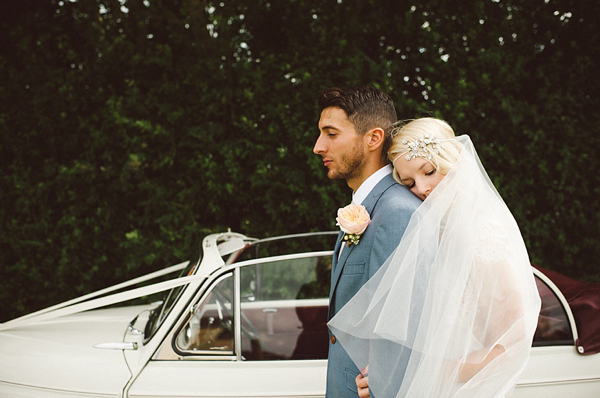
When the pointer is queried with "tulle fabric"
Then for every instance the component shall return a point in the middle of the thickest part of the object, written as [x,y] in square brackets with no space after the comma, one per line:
[456,294]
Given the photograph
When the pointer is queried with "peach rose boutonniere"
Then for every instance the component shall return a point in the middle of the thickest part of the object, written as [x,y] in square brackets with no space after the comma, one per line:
[353,220]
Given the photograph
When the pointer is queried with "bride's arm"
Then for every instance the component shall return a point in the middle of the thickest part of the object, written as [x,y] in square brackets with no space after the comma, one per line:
[504,311]
[470,368]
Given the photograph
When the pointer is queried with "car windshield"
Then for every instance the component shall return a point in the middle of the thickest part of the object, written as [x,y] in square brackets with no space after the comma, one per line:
[299,243]
[158,314]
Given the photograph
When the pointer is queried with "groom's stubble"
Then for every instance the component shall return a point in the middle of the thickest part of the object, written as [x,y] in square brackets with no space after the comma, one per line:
[350,163]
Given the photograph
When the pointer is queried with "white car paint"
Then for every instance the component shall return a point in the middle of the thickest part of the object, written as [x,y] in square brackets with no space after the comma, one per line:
[47,355]
[58,356]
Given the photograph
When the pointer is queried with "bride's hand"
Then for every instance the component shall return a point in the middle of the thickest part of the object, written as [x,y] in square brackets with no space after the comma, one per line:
[362,383]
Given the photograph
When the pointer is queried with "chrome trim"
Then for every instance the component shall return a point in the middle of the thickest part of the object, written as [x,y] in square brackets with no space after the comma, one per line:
[562,299]
[166,349]
[558,382]
[117,346]
[237,318]
[134,331]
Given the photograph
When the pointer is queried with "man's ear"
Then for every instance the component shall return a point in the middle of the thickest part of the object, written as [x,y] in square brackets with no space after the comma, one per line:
[375,139]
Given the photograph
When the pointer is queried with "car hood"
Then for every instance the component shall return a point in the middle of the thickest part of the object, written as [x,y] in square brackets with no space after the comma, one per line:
[58,354]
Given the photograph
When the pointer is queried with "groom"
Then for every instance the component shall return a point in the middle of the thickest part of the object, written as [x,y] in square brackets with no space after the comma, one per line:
[355,134]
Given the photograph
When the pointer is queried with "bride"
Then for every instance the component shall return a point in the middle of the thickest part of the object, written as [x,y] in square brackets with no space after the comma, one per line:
[453,310]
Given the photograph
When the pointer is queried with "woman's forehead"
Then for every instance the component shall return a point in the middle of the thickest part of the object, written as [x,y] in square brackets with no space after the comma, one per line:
[406,168]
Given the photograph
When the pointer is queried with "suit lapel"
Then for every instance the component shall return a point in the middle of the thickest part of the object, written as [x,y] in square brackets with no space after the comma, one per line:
[336,250]
[369,203]
[337,268]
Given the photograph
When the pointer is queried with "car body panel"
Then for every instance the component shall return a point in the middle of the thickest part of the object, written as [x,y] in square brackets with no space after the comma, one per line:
[559,371]
[59,354]
[191,378]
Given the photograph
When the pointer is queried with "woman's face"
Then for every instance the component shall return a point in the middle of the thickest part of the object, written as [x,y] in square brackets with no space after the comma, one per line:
[418,175]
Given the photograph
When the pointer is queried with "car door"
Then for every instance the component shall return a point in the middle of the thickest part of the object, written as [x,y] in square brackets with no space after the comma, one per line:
[555,368]
[257,329]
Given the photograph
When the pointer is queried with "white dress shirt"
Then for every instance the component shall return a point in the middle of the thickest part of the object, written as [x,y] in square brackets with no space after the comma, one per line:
[366,187]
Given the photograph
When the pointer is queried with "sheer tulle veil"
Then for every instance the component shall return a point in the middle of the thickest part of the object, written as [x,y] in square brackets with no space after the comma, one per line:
[453,310]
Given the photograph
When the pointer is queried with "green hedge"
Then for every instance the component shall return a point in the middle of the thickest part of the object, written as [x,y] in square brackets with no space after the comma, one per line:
[130,129]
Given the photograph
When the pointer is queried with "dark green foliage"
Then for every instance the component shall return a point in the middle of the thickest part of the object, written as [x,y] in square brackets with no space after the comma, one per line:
[129,129]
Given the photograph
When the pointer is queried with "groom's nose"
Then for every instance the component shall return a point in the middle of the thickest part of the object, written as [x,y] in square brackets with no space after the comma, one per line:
[319,146]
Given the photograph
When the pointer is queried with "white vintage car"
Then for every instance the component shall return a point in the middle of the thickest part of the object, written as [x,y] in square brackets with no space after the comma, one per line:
[246,320]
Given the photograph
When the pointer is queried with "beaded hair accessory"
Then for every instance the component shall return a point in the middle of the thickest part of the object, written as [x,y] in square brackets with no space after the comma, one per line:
[422,147]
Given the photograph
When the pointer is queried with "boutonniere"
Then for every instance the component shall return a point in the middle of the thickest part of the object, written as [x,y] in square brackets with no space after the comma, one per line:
[353,220]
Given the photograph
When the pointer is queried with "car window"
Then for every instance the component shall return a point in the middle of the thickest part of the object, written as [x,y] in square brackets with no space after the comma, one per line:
[209,330]
[553,323]
[284,309]
[283,312]
[169,299]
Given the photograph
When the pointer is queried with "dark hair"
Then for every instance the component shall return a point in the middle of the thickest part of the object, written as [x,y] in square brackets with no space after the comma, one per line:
[366,107]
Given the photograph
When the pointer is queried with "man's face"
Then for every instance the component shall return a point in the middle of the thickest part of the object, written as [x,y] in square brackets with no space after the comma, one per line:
[340,146]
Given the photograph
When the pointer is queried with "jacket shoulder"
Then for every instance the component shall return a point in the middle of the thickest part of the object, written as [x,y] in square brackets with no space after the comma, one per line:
[397,195]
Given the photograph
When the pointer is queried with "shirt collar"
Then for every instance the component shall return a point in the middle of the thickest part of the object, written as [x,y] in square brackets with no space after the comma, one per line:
[367,186]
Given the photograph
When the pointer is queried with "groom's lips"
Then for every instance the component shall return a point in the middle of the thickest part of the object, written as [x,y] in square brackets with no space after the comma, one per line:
[327,162]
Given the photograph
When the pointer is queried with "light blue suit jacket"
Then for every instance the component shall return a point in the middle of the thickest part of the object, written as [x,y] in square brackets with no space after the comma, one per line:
[390,206]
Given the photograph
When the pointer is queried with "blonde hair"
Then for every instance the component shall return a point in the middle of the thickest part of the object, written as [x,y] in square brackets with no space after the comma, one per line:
[405,133]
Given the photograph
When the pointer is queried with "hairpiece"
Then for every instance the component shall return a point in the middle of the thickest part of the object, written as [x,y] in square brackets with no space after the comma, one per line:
[422,147]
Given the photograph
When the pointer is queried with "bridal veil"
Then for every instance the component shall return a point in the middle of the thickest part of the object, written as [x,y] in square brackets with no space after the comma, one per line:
[453,310]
